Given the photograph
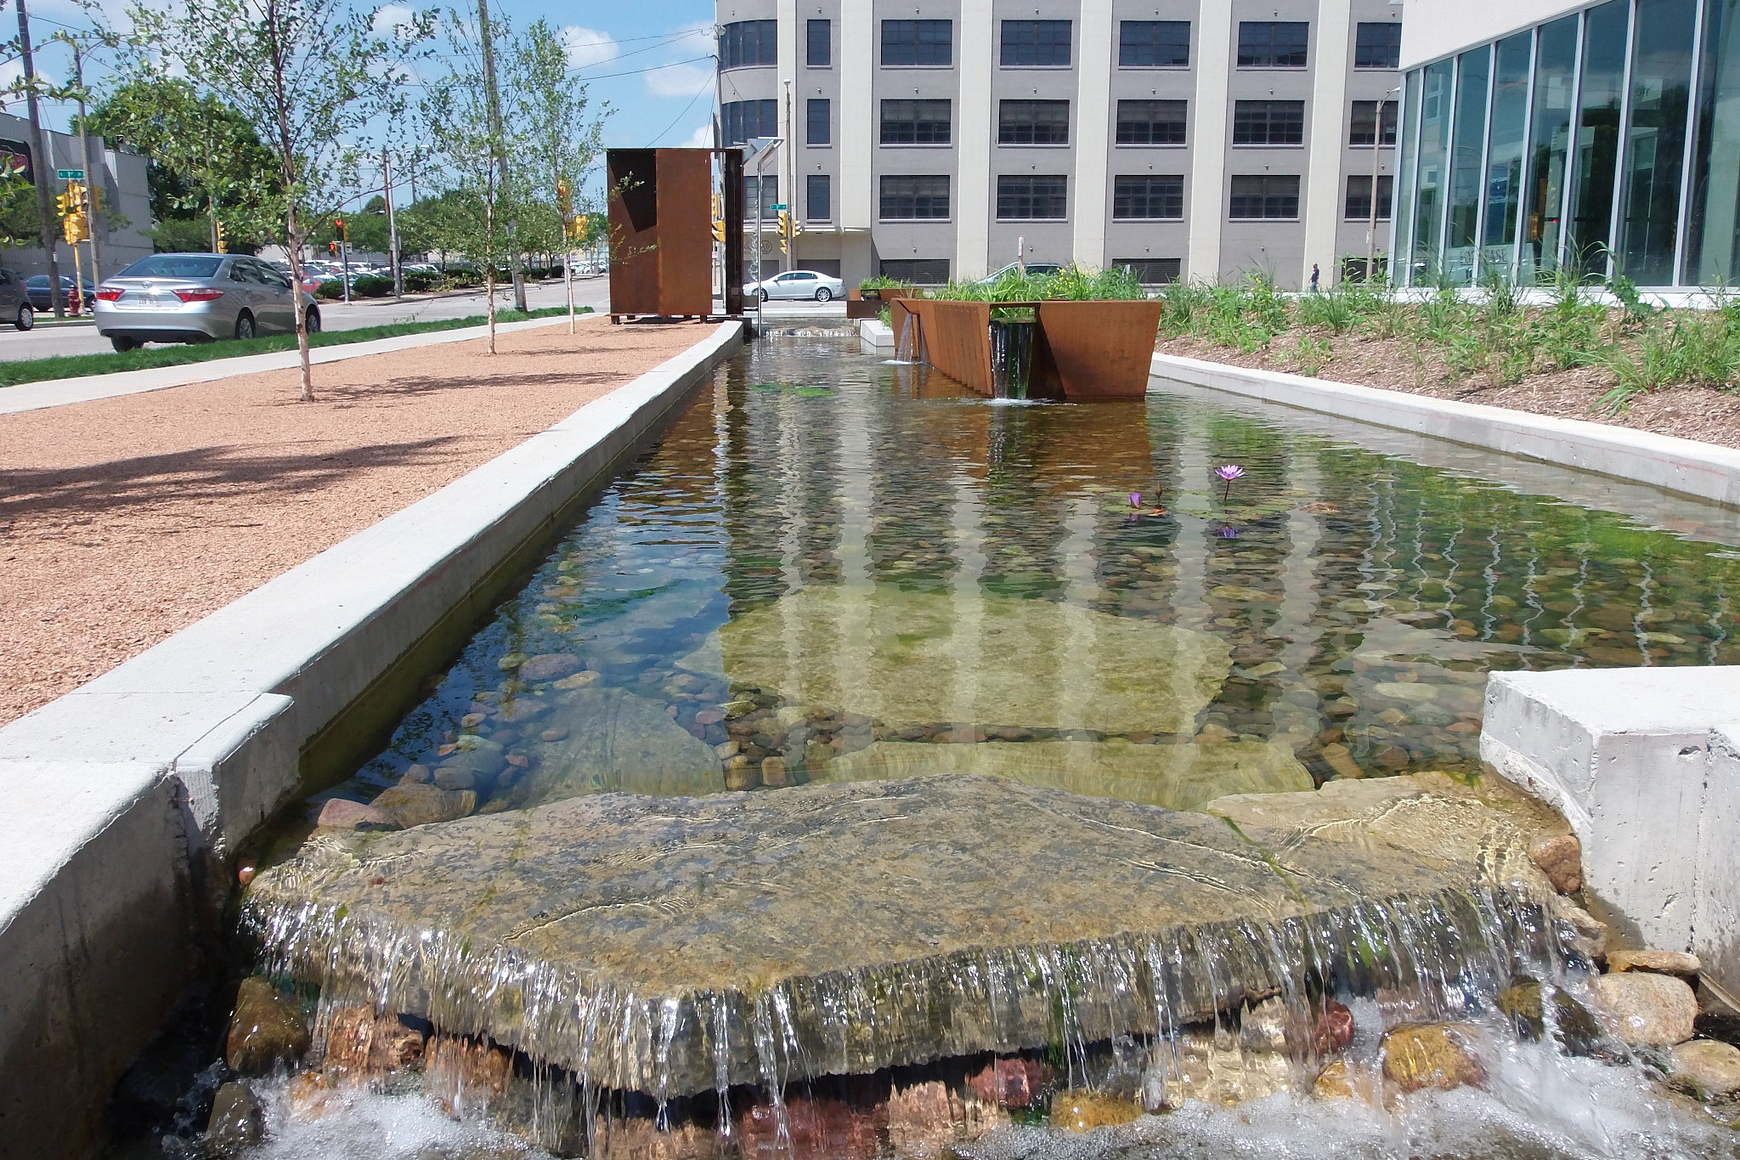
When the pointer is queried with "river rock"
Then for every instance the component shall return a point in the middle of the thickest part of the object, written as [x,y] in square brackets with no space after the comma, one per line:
[1431,1055]
[344,814]
[1574,1027]
[1686,966]
[911,659]
[1647,1010]
[359,1043]
[1012,1082]
[773,771]
[640,913]
[419,805]
[1706,1068]
[1560,858]
[549,666]
[237,1119]
[266,1028]
[1082,1111]
[1195,1067]
[619,741]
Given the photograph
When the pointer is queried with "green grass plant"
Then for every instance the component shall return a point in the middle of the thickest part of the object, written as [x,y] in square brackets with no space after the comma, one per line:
[80,365]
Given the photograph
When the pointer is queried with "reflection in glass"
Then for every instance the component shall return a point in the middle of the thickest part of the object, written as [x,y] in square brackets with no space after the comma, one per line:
[1661,71]
[1434,158]
[1504,160]
[1461,236]
[1713,236]
[1592,176]
[1410,152]
[1549,134]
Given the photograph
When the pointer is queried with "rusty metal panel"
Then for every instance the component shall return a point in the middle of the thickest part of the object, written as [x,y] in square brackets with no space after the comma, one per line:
[1094,350]
[634,226]
[956,339]
[685,231]
[731,176]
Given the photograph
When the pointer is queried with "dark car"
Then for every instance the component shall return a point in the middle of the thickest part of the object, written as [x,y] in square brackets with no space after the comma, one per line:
[37,286]
[15,304]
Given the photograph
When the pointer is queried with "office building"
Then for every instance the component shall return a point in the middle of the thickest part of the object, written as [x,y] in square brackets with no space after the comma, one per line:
[931,139]
[1546,137]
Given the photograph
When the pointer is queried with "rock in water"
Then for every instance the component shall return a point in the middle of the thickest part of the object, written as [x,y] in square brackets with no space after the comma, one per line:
[266,1028]
[1435,1055]
[910,659]
[1077,1111]
[1659,962]
[931,915]
[1706,1068]
[420,804]
[1648,1010]
[237,1119]
[618,741]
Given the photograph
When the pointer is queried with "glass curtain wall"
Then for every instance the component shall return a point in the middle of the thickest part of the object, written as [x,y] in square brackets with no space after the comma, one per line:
[1506,138]
[1549,139]
[1655,142]
[1410,152]
[1713,228]
[1599,106]
[1461,237]
[1432,177]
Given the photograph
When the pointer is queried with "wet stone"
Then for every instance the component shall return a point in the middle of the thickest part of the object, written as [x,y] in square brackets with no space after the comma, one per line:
[1432,1055]
[1706,1069]
[1647,1010]
[237,1119]
[266,1028]
[1680,963]
[618,740]
[918,895]
[421,805]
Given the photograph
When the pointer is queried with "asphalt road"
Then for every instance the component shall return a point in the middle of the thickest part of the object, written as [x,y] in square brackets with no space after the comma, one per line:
[66,338]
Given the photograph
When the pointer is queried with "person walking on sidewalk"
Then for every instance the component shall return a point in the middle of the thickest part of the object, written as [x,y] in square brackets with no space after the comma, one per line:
[1314,276]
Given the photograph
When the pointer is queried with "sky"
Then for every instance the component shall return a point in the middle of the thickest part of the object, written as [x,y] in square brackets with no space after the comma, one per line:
[651,60]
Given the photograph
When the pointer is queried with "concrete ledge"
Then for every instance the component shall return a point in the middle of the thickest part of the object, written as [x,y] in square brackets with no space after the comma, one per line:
[1644,765]
[1685,466]
[125,793]
[876,335]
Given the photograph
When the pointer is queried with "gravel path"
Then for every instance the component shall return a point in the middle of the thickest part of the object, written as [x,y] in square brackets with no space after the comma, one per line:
[125,519]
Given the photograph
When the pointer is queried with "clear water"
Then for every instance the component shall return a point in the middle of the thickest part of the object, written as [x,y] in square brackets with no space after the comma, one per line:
[860,530]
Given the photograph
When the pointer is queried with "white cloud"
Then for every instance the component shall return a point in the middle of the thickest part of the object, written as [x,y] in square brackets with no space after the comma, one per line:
[701,138]
[678,80]
[587,47]
[392,18]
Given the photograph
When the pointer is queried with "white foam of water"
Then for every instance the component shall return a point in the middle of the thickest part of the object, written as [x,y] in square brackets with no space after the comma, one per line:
[362,1125]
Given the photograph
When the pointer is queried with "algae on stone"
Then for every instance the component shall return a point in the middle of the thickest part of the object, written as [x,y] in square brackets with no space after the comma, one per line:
[910,658]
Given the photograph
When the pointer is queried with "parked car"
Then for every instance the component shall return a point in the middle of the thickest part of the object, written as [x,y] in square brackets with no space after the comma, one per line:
[797,284]
[198,298]
[37,287]
[14,302]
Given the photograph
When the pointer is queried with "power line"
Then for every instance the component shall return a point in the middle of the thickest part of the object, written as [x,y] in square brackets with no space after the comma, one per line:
[684,113]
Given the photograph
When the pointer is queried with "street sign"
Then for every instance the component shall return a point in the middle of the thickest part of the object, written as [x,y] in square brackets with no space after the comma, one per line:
[779,207]
[70,174]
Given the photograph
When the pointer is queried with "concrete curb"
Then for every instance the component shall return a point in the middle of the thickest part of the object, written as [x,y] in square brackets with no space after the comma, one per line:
[125,795]
[59,392]
[1701,470]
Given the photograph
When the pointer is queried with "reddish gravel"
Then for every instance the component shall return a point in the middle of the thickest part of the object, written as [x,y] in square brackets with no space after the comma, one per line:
[125,519]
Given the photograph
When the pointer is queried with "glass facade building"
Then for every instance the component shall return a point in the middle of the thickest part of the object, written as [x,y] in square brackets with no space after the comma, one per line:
[1603,143]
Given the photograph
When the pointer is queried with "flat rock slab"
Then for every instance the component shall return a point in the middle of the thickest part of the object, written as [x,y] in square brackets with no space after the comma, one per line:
[672,945]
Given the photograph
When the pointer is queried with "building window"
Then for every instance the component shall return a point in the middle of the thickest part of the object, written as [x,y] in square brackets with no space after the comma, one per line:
[916,271]
[1148,197]
[818,197]
[1364,126]
[1151,122]
[1032,197]
[769,189]
[1268,123]
[907,122]
[1377,45]
[819,127]
[1273,43]
[909,197]
[1265,197]
[819,44]
[1152,271]
[1036,43]
[1154,44]
[1033,122]
[918,42]
[1359,197]
[742,120]
[749,42]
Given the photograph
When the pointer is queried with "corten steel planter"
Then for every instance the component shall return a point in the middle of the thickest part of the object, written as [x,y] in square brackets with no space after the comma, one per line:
[869,303]
[1081,350]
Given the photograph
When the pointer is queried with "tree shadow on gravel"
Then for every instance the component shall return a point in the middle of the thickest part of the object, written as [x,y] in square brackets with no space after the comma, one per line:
[426,385]
[206,473]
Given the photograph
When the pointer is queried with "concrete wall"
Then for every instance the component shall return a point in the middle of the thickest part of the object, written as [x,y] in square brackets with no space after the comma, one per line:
[121,239]
[127,798]
[1435,28]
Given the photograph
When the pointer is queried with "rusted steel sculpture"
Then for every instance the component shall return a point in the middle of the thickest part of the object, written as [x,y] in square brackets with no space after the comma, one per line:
[661,238]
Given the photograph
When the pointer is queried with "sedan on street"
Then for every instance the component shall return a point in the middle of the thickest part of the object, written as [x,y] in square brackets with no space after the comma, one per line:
[37,287]
[797,284]
[198,298]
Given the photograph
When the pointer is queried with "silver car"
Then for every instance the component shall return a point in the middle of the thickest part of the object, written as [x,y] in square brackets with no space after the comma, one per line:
[797,284]
[197,298]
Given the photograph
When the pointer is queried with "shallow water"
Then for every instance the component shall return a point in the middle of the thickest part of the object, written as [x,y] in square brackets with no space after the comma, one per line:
[896,564]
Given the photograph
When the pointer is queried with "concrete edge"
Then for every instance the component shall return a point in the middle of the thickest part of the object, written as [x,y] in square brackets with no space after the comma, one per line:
[1684,466]
[126,796]
[88,388]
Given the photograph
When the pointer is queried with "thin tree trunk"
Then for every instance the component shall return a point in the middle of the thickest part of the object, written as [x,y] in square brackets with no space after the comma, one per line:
[42,172]
[489,262]
[292,244]
[292,235]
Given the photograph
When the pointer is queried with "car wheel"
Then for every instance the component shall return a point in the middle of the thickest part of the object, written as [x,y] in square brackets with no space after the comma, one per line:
[311,321]
[26,317]
[823,294]
[761,294]
[122,344]
[244,326]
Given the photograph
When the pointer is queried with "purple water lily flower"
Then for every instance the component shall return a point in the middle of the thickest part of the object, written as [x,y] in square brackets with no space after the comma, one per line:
[1228,533]
[1135,499]
[1229,472]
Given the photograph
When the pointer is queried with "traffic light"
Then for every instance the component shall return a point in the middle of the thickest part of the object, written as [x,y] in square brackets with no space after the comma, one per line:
[785,231]
[332,248]
[718,230]
[338,224]
[564,200]
[74,224]
[223,242]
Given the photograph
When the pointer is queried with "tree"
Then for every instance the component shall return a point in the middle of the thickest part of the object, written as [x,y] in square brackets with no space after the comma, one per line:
[308,75]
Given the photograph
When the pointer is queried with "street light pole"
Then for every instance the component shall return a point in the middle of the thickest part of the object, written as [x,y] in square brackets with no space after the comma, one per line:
[762,153]
[1377,145]
[91,182]
[392,226]
[43,146]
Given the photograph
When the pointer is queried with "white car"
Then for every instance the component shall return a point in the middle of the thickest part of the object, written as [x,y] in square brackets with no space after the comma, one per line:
[797,284]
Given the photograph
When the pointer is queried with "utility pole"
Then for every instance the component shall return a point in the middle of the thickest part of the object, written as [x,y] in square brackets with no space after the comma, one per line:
[498,146]
[92,182]
[392,226]
[790,199]
[1377,148]
[43,170]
